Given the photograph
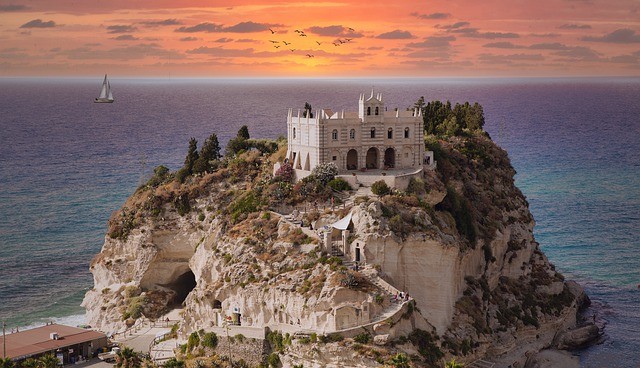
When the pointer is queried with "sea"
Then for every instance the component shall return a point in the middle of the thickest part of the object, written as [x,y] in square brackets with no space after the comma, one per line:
[66,164]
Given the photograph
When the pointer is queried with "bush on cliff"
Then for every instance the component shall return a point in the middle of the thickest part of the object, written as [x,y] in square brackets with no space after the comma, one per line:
[339,184]
[380,188]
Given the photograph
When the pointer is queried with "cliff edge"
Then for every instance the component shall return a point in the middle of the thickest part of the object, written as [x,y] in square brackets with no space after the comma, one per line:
[447,268]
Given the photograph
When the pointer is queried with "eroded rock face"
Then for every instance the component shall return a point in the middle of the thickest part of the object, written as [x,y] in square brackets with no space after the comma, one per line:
[461,245]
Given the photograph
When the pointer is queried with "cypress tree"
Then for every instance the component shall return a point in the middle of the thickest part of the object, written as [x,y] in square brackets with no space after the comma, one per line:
[243,132]
[210,152]
[192,156]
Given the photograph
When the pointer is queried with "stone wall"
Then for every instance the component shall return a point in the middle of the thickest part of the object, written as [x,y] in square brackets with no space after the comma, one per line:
[252,351]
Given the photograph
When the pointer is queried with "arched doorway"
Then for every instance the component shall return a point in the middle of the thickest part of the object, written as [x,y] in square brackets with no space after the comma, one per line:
[390,158]
[352,160]
[372,158]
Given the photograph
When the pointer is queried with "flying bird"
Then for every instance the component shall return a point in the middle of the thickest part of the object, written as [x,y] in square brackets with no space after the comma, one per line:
[351,29]
[276,46]
[348,39]
[286,43]
[336,44]
[292,50]
[319,43]
[341,41]
[274,41]
[309,55]
[272,31]
[303,35]
[298,31]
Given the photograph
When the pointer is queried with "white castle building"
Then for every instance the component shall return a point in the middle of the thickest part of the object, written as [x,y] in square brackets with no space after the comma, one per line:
[370,139]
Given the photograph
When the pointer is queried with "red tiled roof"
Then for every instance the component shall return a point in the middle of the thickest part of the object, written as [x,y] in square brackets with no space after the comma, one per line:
[38,340]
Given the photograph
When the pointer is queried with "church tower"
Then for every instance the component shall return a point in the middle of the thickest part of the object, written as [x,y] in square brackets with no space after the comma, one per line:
[371,109]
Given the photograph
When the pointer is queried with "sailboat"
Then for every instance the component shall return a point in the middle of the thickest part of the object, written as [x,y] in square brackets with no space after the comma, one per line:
[105,93]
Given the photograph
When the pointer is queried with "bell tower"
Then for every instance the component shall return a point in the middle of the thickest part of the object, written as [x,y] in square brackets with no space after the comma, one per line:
[371,109]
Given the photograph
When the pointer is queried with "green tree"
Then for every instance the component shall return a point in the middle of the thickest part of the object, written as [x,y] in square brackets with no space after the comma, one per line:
[6,363]
[239,143]
[192,156]
[451,127]
[307,110]
[30,363]
[48,361]
[243,132]
[476,117]
[210,152]
[128,358]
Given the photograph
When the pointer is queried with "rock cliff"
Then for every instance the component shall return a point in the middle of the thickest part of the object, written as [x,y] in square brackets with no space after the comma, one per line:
[459,241]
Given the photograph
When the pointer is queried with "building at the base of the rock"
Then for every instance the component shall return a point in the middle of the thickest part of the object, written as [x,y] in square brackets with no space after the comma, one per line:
[371,138]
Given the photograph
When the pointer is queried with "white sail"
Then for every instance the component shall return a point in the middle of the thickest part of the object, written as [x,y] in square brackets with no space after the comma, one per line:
[104,92]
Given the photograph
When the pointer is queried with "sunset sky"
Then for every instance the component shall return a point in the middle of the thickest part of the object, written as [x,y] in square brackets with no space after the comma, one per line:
[404,38]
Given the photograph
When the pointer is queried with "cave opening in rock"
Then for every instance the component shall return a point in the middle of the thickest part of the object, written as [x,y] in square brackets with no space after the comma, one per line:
[182,286]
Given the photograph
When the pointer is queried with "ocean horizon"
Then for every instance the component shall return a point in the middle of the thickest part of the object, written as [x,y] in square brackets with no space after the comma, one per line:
[66,164]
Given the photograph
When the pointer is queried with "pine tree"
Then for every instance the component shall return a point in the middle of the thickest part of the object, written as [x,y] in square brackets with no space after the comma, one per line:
[192,156]
[243,132]
[210,152]
[307,110]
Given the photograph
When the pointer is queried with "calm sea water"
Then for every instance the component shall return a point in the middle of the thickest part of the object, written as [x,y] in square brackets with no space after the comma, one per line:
[66,164]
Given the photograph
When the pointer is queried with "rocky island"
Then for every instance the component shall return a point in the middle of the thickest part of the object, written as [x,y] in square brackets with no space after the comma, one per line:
[275,257]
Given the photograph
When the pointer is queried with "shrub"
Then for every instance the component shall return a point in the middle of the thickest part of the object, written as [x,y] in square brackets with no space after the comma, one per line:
[244,205]
[284,173]
[182,204]
[416,186]
[273,360]
[210,340]
[424,341]
[339,184]
[160,175]
[380,188]
[193,341]
[363,338]
[325,172]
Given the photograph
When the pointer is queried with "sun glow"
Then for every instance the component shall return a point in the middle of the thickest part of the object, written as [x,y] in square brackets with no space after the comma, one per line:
[327,38]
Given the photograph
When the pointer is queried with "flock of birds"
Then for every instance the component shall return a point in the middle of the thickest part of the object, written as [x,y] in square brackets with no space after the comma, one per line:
[277,44]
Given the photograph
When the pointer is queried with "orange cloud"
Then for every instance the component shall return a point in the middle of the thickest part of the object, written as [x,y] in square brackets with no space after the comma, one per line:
[345,37]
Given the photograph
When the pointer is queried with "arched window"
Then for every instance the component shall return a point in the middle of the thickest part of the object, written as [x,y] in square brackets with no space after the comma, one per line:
[406,132]
[390,133]
[334,134]
[368,110]
[352,134]
[294,133]
[377,111]
[373,132]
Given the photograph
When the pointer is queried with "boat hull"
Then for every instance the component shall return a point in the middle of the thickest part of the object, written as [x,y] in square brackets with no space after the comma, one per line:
[103,100]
